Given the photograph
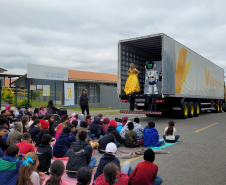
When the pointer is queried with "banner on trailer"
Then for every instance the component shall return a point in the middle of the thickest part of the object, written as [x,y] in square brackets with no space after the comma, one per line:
[46,90]
[69,98]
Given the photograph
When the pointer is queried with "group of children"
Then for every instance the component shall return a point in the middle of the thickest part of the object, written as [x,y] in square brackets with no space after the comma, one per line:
[38,139]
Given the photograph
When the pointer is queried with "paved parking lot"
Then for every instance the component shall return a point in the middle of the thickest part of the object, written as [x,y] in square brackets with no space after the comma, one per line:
[199,156]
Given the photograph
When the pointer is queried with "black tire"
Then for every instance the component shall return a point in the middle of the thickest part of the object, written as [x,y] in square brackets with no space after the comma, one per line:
[184,110]
[191,109]
[221,107]
[197,109]
[218,107]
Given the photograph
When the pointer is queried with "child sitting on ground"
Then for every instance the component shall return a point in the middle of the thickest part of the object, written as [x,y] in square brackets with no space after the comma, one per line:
[27,173]
[108,138]
[44,130]
[15,136]
[45,154]
[25,146]
[57,169]
[131,139]
[60,128]
[75,123]
[112,176]
[95,127]
[63,143]
[80,155]
[108,157]
[84,176]
[88,119]
[151,136]
[42,111]
[112,127]
[150,176]
[33,118]
[105,124]
[73,128]
[72,118]
[84,126]
[3,144]
[10,165]
[101,118]
[28,111]
[25,120]
[51,121]
[34,130]
[119,125]
[170,133]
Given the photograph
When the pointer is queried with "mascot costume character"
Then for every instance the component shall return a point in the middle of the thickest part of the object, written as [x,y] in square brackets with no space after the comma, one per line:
[152,77]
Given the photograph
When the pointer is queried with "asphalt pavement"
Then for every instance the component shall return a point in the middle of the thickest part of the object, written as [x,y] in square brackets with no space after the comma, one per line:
[198,157]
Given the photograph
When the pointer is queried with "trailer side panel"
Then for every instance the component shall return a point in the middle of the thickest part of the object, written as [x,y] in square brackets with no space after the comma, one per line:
[197,76]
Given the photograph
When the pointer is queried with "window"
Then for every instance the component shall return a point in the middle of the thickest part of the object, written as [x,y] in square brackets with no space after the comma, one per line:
[94,93]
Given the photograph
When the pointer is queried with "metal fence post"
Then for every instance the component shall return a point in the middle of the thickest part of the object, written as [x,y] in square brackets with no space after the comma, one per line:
[16,95]
[55,93]
[28,92]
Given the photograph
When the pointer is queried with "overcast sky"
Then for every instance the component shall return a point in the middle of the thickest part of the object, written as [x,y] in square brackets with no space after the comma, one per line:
[83,35]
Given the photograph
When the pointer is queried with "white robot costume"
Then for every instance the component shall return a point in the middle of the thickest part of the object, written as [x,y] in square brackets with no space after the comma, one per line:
[152,77]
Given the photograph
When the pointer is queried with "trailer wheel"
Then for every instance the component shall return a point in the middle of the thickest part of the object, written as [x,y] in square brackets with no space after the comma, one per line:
[197,109]
[221,107]
[191,109]
[185,110]
[218,107]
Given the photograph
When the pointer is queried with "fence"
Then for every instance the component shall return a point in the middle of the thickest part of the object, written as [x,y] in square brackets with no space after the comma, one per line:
[23,97]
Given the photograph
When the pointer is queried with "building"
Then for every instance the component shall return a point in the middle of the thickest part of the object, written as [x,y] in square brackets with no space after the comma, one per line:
[101,87]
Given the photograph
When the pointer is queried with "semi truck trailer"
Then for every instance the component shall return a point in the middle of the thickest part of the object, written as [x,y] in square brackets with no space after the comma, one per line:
[187,85]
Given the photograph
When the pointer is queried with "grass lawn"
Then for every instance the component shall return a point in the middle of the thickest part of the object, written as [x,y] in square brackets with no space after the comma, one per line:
[45,103]
[42,104]
[95,108]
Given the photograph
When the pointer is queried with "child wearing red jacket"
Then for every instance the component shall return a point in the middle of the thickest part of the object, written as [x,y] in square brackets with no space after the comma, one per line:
[138,177]
[112,176]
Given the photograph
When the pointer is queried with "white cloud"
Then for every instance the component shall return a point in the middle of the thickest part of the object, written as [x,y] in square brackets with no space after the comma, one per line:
[83,35]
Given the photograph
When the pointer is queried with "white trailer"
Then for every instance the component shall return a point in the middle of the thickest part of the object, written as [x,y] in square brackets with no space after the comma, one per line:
[189,82]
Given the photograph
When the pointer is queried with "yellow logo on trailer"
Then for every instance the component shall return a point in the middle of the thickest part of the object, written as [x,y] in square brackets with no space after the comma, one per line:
[209,80]
[181,70]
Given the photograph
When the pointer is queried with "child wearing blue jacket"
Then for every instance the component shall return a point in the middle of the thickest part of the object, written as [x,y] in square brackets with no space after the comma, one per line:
[151,136]
[10,165]
[63,143]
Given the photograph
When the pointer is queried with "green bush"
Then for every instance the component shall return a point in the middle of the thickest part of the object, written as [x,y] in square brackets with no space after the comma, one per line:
[7,96]
[23,103]
[35,95]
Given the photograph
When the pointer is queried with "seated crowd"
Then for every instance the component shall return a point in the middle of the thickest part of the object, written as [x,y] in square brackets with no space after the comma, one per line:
[37,139]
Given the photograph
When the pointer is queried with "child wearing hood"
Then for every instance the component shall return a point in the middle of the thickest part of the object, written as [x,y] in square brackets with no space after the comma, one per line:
[15,136]
[88,119]
[81,118]
[95,127]
[151,136]
[101,119]
[124,120]
[106,122]
[73,118]
[112,126]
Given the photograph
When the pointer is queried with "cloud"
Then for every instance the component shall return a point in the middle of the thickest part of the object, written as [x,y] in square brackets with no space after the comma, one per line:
[83,35]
